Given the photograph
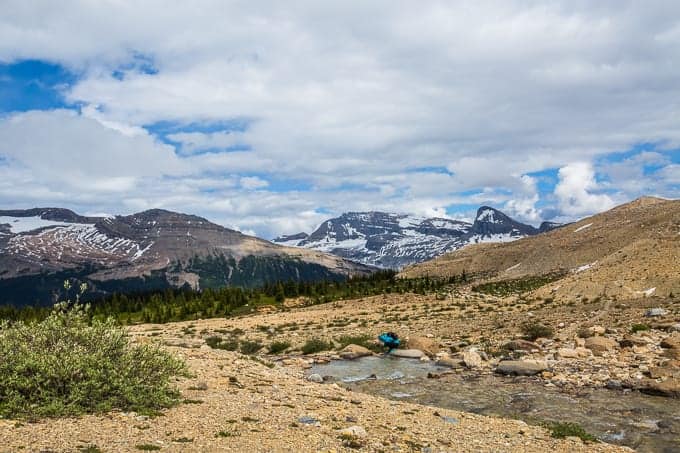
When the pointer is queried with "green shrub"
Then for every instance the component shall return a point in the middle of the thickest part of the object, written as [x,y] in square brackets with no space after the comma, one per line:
[639,327]
[561,430]
[316,345]
[67,365]
[217,342]
[278,346]
[534,330]
[250,347]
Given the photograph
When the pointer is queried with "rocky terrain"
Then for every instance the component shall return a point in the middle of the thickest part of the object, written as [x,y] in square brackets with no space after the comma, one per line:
[153,249]
[266,403]
[630,251]
[396,240]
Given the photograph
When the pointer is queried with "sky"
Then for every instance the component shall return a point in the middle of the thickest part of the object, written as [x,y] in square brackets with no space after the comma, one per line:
[270,117]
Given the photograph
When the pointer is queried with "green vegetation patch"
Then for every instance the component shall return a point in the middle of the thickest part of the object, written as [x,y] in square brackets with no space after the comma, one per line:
[69,364]
[561,430]
[516,286]
[534,330]
[314,345]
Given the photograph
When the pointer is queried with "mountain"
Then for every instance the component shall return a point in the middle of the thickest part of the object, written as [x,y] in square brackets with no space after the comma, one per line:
[154,249]
[397,240]
[630,251]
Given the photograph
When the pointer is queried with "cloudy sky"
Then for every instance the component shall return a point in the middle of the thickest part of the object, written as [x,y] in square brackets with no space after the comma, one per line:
[270,117]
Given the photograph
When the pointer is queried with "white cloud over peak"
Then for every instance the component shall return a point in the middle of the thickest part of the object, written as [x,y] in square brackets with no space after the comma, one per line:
[576,189]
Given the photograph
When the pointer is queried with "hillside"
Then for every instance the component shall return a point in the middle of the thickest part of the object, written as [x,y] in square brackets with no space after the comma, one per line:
[629,251]
[393,241]
[154,249]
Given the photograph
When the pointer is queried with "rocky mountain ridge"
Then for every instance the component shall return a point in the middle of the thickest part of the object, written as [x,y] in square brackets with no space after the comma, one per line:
[396,240]
[153,249]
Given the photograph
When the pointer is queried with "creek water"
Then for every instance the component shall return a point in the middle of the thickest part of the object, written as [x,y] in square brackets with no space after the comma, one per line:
[646,423]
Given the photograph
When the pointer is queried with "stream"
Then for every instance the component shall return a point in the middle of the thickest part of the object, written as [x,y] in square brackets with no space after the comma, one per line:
[646,423]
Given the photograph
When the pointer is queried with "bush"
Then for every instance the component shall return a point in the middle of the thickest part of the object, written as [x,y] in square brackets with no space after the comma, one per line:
[316,345]
[278,346]
[250,347]
[65,365]
[639,328]
[535,330]
[217,342]
[563,430]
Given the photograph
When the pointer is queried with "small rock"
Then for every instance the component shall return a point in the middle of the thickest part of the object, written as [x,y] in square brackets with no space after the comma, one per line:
[652,312]
[614,384]
[315,378]
[567,353]
[596,330]
[354,431]
[450,362]
[307,420]
[471,359]
[520,345]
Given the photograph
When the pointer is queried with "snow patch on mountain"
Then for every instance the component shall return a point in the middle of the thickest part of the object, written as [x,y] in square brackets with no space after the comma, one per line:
[25,224]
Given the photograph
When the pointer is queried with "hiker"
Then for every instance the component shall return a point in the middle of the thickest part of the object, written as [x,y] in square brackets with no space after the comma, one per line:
[390,340]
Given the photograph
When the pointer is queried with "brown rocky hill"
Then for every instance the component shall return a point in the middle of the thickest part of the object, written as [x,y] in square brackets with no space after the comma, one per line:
[632,250]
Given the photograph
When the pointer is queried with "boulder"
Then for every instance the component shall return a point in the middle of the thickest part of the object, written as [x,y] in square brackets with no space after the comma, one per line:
[407,353]
[653,312]
[671,342]
[600,345]
[471,359]
[669,387]
[521,367]
[315,378]
[427,345]
[354,351]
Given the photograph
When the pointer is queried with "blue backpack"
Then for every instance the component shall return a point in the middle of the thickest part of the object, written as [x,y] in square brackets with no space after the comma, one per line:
[390,340]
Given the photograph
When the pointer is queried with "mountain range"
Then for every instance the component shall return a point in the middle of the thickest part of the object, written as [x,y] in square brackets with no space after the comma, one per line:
[150,250]
[630,251]
[390,240]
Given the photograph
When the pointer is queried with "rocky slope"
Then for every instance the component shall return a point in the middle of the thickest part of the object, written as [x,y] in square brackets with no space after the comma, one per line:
[153,249]
[395,240]
[630,251]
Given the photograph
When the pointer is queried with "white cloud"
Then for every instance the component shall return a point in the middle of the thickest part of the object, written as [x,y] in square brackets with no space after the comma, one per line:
[575,189]
[253,182]
[351,98]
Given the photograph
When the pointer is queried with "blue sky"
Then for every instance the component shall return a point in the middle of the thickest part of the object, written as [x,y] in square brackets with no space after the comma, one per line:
[549,112]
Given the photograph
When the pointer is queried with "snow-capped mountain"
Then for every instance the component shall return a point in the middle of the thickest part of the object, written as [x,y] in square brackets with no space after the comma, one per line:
[154,249]
[397,240]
